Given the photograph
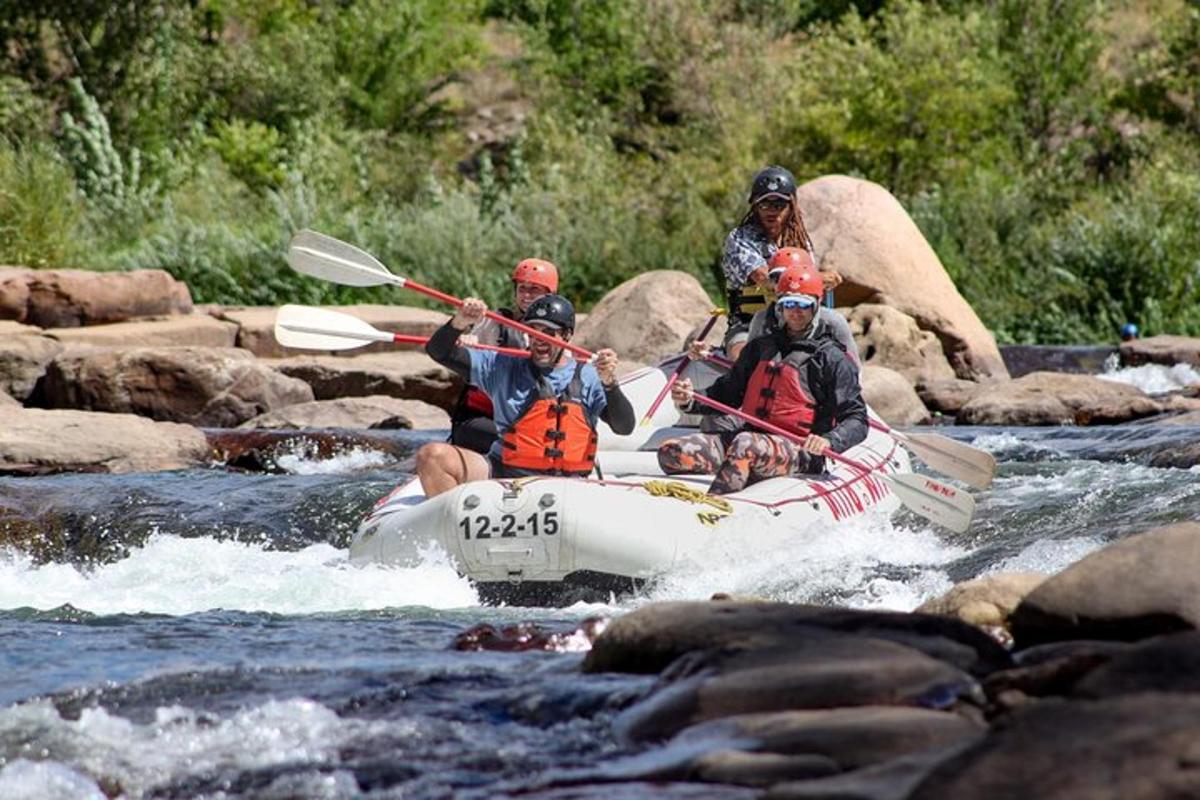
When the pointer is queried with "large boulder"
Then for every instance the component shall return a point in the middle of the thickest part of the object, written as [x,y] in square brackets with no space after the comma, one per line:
[34,441]
[647,317]
[69,298]
[892,397]
[986,602]
[216,387]
[1141,586]
[23,360]
[1051,398]
[1161,350]
[949,396]
[890,338]
[375,411]
[407,375]
[1080,359]
[860,230]
[185,330]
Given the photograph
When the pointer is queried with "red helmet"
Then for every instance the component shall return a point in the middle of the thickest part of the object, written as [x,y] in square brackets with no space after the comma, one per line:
[537,271]
[791,257]
[800,280]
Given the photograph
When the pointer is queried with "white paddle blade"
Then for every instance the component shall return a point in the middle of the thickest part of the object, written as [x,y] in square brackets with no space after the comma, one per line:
[307,328]
[320,256]
[949,457]
[936,502]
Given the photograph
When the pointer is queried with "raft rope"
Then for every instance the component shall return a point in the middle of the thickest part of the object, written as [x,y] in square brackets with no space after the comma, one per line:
[681,491]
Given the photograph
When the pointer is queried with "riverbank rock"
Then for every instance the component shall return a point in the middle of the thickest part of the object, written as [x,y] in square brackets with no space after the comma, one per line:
[985,602]
[1022,359]
[892,397]
[187,330]
[1050,398]
[949,396]
[647,317]
[69,298]
[407,375]
[1166,350]
[23,361]
[374,411]
[216,387]
[890,338]
[860,230]
[35,441]
[1145,585]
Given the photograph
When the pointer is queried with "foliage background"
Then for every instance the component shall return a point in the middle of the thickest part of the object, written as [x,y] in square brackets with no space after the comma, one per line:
[1047,148]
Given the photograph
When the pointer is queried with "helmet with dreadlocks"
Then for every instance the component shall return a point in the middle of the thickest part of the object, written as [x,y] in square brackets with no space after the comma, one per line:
[772,182]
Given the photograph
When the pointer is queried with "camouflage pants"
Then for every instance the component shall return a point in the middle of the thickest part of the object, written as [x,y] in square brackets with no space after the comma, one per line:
[747,457]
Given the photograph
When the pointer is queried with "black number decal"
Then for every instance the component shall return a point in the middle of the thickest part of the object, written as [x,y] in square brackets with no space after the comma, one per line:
[550,522]
[508,521]
[465,524]
[533,523]
[482,523]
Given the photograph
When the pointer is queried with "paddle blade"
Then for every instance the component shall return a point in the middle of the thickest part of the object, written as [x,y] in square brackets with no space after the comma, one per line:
[936,502]
[949,457]
[320,256]
[306,328]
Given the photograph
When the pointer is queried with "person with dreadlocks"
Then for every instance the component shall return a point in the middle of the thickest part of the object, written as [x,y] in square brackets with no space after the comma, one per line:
[471,424]
[772,221]
[798,378]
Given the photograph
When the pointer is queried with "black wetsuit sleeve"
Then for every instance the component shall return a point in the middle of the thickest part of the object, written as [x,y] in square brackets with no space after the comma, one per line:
[730,388]
[850,409]
[618,412]
[443,347]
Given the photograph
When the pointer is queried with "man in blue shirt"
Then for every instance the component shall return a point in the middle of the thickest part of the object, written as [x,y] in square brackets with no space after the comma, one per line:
[546,407]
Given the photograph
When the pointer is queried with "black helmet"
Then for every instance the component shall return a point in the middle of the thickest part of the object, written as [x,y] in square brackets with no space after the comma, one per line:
[772,182]
[552,309]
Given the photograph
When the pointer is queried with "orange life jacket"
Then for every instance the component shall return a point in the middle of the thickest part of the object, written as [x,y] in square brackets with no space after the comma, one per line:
[778,392]
[554,434]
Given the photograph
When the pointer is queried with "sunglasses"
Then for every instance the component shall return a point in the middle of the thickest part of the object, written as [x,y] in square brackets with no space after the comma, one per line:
[773,204]
[797,302]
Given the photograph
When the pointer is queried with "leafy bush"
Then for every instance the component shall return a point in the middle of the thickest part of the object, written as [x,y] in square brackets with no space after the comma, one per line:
[41,214]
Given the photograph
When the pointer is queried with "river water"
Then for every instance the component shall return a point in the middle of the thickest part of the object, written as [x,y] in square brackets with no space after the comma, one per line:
[200,633]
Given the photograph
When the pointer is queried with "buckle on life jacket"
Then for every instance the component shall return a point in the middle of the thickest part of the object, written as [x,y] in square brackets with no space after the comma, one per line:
[553,452]
[774,367]
[556,436]
[767,392]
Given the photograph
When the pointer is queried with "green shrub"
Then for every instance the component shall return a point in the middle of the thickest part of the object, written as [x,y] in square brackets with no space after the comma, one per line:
[41,216]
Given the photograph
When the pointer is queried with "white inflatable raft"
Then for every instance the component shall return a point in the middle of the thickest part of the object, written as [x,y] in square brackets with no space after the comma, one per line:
[545,540]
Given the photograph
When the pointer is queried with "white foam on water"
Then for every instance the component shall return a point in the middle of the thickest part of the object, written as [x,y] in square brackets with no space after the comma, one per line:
[174,575]
[1048,555]
[75,757]
[843,561]
[1155,378]
[354,460]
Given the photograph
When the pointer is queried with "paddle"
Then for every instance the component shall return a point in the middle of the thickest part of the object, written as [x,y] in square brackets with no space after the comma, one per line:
[943,454]
[320,256]
[708,326]
[935,501]
[307,328]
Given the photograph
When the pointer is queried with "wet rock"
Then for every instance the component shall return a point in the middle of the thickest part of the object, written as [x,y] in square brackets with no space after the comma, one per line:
[1136,746]
[259,450]
[887,337]
[985,602]
[191,330]
[1166,350]
[949,396]
[23,361]
[407,375]
[1048,398]
[218,387]
[1145,585]
[529,636]
[1022,359]
[376,411]
[648,317]
[650,638]
[816,670]
[1163,664]
[850,737]
[35,442]
[70,298]
[758,769]
[890,780]
[892,397]
[1052,672]
[861,231]
[256,327]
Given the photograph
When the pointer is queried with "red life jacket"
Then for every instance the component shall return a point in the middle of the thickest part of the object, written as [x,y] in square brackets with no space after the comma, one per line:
[554,434]
[778,392]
